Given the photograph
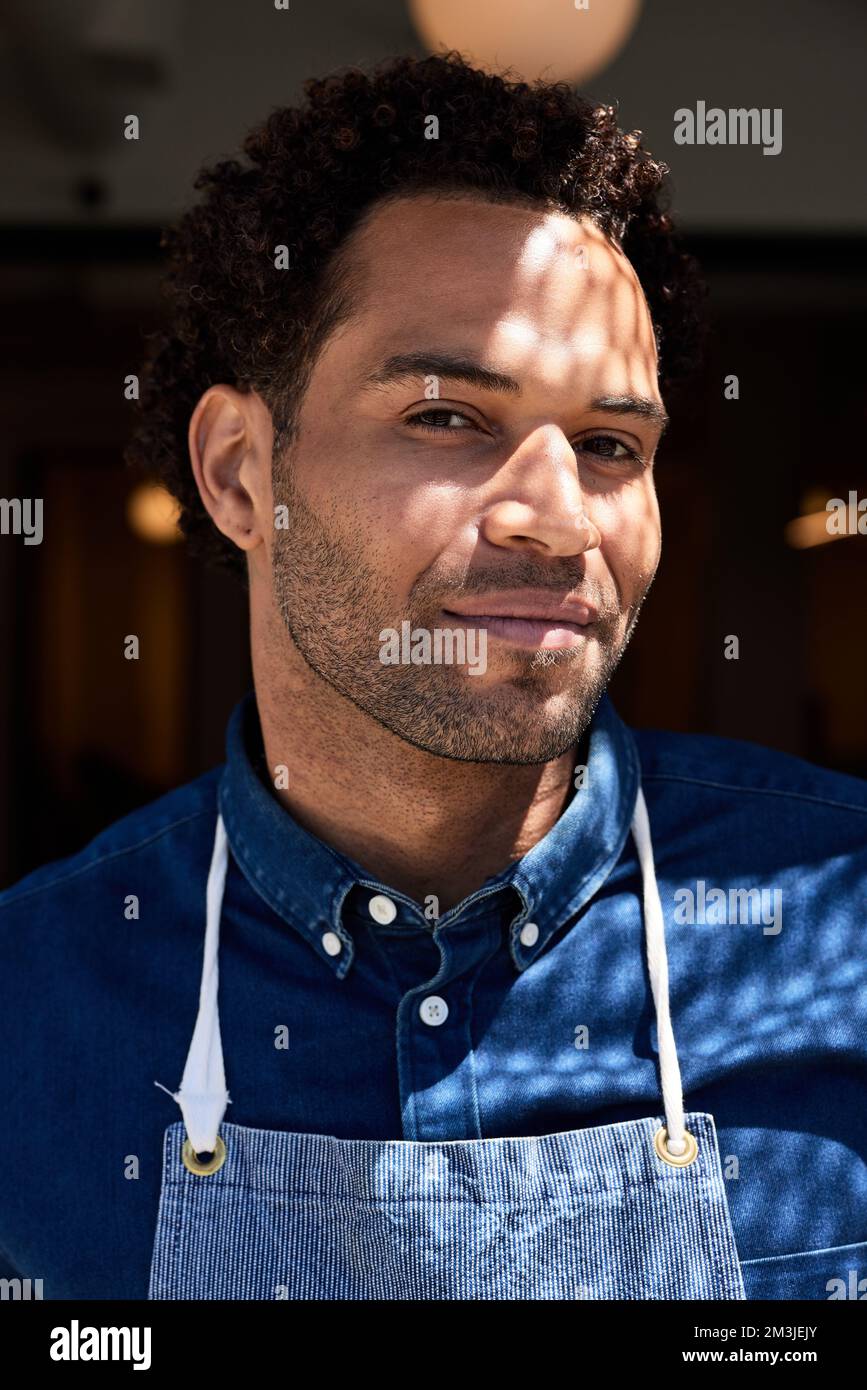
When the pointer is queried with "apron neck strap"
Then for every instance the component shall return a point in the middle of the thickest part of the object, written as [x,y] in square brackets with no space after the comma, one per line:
[657,966]
[203,1096]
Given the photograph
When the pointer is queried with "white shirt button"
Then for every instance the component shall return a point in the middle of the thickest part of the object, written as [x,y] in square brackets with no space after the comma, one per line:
[434,1010]
[331,943]
[382,909]
[529,934]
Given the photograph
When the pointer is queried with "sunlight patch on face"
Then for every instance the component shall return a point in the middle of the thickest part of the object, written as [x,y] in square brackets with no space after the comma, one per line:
[517,340]
[541,248]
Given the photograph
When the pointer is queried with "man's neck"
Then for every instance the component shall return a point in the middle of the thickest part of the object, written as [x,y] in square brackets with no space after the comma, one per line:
[423,824]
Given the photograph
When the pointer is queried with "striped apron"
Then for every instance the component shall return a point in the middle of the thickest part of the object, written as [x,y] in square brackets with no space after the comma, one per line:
[636,1210]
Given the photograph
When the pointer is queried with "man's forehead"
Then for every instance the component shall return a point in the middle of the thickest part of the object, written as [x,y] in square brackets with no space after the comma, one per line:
[517,278]
[493,236]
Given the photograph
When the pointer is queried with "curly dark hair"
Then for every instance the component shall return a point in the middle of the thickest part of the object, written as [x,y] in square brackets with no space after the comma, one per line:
[315,172]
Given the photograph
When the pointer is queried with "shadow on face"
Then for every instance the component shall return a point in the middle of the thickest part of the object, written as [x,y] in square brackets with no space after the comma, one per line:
[474,455]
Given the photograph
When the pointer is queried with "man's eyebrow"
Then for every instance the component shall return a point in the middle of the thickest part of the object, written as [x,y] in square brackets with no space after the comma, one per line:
[644,406]
[406,364]
[414,364]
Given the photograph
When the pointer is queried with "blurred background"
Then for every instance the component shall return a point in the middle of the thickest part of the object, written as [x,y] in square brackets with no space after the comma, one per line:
[86,735]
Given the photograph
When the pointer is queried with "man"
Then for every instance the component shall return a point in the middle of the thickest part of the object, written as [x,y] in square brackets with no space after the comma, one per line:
[414,388]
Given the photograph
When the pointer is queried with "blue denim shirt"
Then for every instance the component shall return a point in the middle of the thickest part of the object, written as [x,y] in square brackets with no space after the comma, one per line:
[547,1030]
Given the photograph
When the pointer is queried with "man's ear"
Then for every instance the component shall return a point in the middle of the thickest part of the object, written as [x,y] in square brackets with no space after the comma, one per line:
[229,439]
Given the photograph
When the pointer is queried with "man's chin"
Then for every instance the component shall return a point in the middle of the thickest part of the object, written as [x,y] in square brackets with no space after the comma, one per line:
[491,745]
[505,723]
[525,709]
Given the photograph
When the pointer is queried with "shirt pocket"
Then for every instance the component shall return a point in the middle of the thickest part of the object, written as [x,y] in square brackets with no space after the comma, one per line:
[839,1272]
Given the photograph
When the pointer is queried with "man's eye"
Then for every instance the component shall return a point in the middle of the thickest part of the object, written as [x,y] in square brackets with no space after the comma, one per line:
[603,445]
[422,420]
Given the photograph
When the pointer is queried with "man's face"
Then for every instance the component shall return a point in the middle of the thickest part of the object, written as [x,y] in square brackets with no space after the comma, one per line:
[521,503]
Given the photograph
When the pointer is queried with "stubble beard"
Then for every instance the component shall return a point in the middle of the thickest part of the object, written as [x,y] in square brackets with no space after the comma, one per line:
[334,606]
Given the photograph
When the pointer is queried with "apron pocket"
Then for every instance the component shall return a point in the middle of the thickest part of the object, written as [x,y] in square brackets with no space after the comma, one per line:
[835,1273]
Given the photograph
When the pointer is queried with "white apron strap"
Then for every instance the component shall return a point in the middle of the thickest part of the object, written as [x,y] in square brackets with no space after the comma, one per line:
[203,1096]
[657,965]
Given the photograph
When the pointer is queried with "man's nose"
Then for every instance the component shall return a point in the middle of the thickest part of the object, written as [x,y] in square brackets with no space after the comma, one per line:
[537,501]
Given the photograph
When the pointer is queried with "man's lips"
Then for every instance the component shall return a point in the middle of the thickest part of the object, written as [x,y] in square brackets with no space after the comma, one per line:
[526,619]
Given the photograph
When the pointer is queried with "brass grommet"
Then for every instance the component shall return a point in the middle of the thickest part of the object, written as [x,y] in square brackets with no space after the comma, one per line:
[217,1159]
[683,1160]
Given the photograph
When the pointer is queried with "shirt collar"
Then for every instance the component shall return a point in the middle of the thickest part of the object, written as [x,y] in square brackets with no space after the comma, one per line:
[307,882]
